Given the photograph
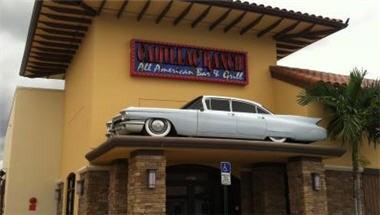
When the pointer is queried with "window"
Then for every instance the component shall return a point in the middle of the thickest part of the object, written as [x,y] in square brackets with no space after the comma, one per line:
[220,104]
[243,107]
[195,104]
[70,193]
[262,111]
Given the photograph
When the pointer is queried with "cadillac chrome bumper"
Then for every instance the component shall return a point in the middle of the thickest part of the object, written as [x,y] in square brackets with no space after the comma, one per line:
[125,127]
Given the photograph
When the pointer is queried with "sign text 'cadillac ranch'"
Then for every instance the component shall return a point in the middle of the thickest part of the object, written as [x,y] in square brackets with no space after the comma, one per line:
[187,62]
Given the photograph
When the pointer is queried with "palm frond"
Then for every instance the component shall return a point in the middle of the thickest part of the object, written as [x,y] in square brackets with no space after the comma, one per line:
[321,93]
[335,127]
[372,117]
[354,84]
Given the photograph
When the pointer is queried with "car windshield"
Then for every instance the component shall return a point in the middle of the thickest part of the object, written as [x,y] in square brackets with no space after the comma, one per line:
[195,104]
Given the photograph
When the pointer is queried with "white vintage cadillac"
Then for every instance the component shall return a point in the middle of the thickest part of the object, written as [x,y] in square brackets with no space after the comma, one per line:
[217,116]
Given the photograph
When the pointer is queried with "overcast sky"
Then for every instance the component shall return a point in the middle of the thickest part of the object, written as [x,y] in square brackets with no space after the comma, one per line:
[355,46]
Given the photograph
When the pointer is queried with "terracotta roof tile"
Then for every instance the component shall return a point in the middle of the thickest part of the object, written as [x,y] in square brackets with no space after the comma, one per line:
[275,11]
[306,77]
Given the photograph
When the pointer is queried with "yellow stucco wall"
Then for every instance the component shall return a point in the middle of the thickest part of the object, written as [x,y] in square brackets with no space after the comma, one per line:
[78,107]
[9,137]
[285,99]
[33,150]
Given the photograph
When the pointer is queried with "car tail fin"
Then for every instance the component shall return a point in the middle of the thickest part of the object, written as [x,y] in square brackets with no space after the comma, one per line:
[318,121]
[311,120]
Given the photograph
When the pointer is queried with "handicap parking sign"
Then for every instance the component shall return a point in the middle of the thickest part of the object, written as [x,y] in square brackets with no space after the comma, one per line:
[225,173]
[225,167]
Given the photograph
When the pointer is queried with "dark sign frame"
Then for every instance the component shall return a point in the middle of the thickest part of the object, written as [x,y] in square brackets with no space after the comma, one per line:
[219,75]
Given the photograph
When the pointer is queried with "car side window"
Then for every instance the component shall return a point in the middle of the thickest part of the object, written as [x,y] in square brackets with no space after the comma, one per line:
[243,107]
[196,105]
[220,104]
[262,111]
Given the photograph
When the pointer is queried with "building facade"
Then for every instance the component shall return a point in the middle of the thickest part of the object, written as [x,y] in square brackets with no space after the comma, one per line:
[33,150]
[115,54]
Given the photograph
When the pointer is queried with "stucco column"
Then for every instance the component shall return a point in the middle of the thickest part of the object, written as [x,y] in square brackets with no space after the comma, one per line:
[269,189]
[141,199]
[117,193]
[94,199]
[304,200]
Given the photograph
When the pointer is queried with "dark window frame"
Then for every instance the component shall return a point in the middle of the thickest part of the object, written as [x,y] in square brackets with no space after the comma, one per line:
[243,102]
[210,99]
[70,194]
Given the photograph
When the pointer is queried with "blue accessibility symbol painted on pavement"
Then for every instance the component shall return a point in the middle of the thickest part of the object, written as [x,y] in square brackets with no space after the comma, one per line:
[225,167]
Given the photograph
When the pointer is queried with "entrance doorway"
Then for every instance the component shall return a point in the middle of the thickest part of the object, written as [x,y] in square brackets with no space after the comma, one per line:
[196,190]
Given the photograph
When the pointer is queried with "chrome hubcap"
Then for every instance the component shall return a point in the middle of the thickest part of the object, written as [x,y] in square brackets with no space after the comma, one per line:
[158,125]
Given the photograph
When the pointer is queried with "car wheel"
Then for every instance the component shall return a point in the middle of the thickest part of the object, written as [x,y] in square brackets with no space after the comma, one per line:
[278,139]
[157,127]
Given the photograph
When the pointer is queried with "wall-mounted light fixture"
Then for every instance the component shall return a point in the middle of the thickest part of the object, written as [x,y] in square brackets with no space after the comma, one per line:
[79,188]
[151,178]
[316,178]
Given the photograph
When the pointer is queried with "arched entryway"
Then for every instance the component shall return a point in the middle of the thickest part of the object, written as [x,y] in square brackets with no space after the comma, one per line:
[196,190]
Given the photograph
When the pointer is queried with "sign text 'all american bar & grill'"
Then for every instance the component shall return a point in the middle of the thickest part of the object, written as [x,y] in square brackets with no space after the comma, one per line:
[174,61]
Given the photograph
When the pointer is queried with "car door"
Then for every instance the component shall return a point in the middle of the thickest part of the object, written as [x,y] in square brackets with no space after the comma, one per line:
[249,124]
[217,120]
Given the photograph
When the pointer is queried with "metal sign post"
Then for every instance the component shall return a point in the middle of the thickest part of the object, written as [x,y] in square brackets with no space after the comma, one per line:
[225,173]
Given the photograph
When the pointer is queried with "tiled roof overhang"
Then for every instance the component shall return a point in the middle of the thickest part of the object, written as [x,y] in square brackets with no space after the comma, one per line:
[55,32]
[275,11]
[58,26]
[305,77]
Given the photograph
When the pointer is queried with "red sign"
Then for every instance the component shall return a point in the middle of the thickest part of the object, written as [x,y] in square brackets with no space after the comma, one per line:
[166,60]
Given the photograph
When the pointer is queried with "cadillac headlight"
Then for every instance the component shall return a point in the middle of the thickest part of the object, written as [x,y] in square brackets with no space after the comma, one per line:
[109,125]
[124,116]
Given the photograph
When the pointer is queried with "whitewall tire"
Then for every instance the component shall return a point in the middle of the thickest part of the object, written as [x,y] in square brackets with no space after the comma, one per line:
[278,139]
[157,127]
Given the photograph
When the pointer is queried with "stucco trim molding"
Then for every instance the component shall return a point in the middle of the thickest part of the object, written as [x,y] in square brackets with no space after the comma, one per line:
[145,142]
[92,168]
